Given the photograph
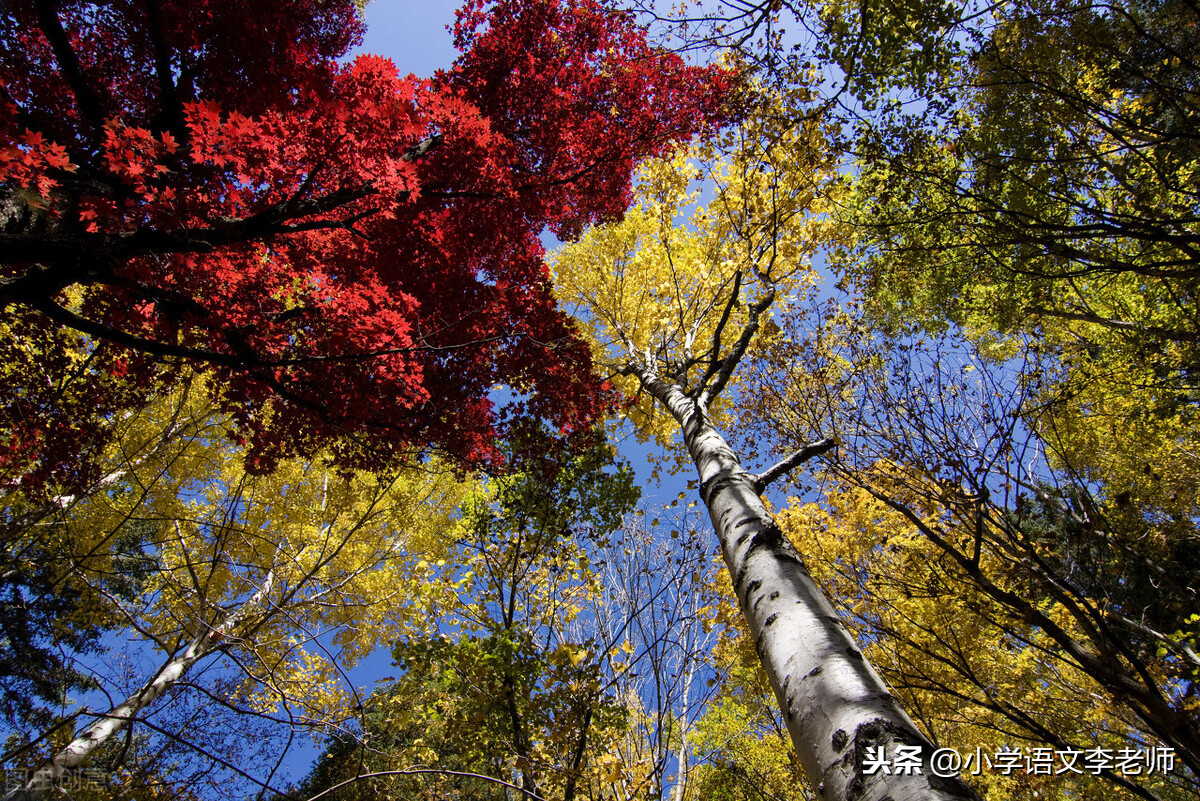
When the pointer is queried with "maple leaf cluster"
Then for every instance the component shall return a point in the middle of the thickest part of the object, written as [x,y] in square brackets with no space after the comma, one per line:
[354,254]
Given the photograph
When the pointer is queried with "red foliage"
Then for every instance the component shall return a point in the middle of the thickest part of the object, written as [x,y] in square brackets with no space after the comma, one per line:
[355,254]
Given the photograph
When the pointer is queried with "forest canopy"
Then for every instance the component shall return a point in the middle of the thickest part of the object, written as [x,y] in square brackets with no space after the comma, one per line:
[850,425]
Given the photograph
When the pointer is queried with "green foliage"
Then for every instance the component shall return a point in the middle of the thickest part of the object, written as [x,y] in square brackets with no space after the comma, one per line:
[1046,183]
[506,682]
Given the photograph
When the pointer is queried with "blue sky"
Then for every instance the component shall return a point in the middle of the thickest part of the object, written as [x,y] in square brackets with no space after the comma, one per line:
[413,35]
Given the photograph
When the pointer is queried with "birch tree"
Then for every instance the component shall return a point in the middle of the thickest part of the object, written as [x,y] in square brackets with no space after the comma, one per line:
[672,310]
[289,578]
[1073,551]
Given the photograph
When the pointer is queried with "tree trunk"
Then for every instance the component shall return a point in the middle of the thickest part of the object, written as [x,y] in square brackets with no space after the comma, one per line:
[838,710]
[682,768]
[45,781]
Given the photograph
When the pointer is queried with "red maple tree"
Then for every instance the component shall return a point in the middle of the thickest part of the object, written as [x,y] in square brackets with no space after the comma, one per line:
[353,254]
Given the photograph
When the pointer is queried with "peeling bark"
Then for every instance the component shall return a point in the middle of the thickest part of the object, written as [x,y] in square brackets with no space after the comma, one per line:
[837,708]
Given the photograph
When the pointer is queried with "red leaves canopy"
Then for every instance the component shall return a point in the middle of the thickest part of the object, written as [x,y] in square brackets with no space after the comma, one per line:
[354,254]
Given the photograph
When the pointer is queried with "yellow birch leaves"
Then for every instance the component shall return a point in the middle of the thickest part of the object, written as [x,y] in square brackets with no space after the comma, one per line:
[713,229]
[319,566]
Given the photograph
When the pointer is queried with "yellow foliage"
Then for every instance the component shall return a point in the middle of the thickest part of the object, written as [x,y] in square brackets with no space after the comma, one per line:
[652,291]
[967,668]
[306,551]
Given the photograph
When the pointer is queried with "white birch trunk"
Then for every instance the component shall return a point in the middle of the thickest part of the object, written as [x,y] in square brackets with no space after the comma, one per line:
[682,768]
[45,781]
[835,704]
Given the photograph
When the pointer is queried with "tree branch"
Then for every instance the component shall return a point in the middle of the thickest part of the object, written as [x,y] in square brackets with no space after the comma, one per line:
[730,362]
[68,62]
[764,479]
[280,219]
[1169,334]
[714,364]
[425,771]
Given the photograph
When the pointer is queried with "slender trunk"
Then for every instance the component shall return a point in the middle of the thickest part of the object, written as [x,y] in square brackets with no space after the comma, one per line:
[577,759]
[520,743]
[838,710]
[682,768]
[45,780]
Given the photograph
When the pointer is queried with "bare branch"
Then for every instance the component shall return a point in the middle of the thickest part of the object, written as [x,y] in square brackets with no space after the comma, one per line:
[785,466]
[730,362]
[425,771]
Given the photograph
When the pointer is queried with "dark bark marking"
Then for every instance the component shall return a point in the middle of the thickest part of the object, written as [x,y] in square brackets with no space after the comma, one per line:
[774,616]
[791,559]
[768,537]
[872,734]
[710,488]
[737,583]
[840,738]
[880,732]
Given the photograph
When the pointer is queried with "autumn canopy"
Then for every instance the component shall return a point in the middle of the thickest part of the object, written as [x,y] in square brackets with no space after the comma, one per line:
[903,294]
[354,254]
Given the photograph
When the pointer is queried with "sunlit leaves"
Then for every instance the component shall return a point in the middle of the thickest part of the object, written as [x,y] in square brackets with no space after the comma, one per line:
[667,288]
[975,674]
[313,561]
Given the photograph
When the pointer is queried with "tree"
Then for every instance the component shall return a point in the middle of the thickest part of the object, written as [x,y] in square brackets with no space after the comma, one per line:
[288,579]
[1045,193]
[974,673]
[352,255]
[566,660]
[1026,184]
[49,620]
[1054,154]
[665,305]
[658,605]
[1062,571]
[521,684]
[1017,168]
[1023,173]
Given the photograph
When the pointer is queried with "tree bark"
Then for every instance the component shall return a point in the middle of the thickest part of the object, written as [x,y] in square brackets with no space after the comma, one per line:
[837,709]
